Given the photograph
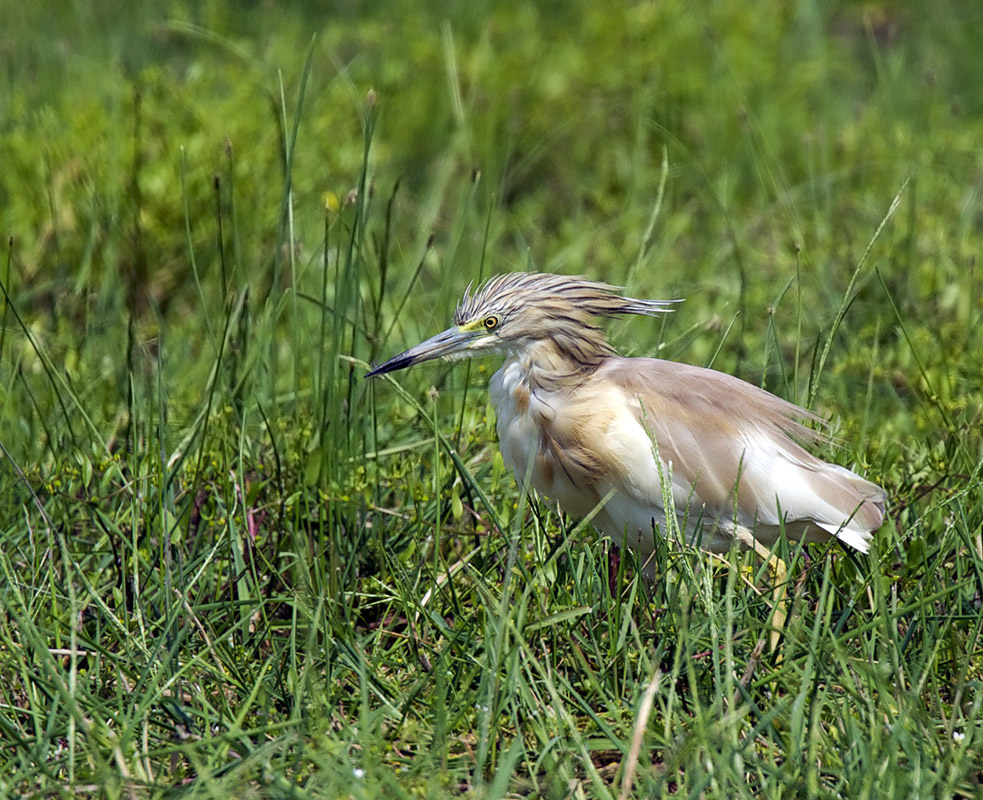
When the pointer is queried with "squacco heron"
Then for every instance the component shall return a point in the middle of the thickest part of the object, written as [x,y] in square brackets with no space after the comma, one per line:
[585,426]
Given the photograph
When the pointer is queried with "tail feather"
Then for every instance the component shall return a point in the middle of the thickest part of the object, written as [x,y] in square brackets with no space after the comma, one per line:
[857,538]
[833,498]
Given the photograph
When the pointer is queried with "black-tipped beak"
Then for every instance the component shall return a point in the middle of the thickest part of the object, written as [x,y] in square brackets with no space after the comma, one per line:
[448,343]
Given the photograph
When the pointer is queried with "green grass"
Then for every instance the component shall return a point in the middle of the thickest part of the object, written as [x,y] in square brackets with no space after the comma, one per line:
[231,567]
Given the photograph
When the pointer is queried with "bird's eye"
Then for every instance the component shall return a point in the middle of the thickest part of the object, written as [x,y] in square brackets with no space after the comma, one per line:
[491,323]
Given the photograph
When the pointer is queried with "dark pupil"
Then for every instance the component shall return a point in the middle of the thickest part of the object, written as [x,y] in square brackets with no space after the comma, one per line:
[490,322]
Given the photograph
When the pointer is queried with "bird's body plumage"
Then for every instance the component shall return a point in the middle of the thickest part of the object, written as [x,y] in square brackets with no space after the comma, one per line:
[723,447]
[584,426]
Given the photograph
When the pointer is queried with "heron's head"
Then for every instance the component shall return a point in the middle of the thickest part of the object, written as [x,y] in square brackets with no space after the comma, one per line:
[512,311]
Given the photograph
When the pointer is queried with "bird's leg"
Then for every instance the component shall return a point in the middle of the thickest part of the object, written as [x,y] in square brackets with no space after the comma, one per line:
[614,562]
[779,573]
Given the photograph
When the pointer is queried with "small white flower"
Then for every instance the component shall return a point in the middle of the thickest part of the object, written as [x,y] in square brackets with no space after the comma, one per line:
[358,773]
[958,736]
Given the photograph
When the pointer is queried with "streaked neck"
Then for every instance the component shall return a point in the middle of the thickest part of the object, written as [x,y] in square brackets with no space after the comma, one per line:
[546,364]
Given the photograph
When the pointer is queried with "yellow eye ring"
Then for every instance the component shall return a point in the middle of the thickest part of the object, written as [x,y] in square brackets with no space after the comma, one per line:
[491,322]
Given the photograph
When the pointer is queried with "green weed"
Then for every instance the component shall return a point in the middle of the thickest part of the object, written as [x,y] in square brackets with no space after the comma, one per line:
[231,567]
